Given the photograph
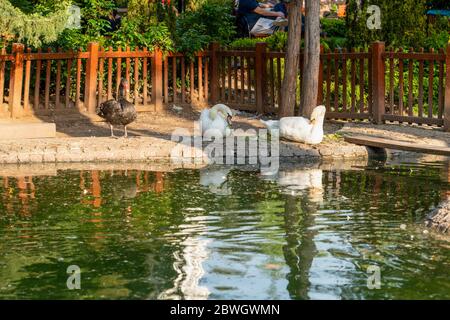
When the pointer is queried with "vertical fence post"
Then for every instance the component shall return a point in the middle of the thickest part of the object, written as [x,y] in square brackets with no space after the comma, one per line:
[157,79]
[378,85]
[447,91]
[260,70]
[90,88]
[214,72]
[320,82]
[15,82]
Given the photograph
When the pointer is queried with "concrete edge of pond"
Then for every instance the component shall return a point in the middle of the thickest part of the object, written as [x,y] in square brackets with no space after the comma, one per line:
[103,149]
[163,150]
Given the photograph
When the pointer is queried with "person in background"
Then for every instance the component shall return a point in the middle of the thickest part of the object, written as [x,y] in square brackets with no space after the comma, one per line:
[281,7]
[252,10]
[114,21]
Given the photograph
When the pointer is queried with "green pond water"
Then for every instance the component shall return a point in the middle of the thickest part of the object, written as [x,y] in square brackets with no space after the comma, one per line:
[225,233]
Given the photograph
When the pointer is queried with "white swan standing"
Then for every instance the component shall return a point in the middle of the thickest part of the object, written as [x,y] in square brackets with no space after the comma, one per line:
[300,129]
[216,120]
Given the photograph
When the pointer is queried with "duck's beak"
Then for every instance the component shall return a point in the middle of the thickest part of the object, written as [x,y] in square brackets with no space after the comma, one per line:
[230,123]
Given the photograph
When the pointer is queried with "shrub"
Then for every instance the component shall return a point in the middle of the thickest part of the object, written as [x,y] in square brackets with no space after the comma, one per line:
[275,42]
[196,29]
[402,23]
[333,27]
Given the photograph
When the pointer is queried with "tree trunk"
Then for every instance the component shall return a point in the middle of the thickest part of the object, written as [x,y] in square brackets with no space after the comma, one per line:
[311,59]
[291,63]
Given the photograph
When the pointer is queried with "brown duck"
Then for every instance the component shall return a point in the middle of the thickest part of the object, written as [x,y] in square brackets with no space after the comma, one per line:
[120,111]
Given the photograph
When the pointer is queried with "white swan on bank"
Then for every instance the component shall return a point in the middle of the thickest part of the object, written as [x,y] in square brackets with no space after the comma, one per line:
[300,129]
[216,120]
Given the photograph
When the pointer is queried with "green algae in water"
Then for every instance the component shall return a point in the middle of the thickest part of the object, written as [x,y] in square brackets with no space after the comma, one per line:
[224,233]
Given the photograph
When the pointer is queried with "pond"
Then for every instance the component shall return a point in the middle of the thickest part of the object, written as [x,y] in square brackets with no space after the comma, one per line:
[317,232]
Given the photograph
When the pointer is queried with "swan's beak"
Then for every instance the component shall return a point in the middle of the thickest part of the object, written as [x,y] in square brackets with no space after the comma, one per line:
[230,123]
[313,121]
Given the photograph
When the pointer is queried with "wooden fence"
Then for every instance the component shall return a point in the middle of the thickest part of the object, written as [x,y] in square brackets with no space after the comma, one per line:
[378,84]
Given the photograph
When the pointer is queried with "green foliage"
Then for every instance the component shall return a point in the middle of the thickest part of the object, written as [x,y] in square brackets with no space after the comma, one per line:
[33,29]
[275,42]
[402,23]
[332,43]
[196,29]
[153,36]
[333,27]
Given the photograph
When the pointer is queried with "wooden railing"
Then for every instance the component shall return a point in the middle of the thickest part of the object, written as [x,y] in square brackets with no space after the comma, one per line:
[378,84]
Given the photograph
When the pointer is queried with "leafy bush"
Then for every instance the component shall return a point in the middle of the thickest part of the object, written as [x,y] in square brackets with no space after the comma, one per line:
[196,29]
[333,27]
[275,42]
[33,28]
[131,35]
[332,43]
[403,23]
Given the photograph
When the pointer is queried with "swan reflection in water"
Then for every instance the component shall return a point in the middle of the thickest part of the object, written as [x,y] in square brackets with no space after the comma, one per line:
[298,181]
[215,178]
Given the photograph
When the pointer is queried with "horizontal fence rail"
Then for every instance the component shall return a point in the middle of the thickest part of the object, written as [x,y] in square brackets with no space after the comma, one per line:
[379,84]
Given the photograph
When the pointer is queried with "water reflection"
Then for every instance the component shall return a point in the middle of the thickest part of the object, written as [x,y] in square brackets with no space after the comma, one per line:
[309,232]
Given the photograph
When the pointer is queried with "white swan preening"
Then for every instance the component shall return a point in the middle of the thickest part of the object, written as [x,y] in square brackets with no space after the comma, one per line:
[216,120]
[300,129]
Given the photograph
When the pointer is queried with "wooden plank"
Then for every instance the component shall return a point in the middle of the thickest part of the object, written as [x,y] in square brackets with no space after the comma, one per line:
[78,84]
[344,82]
[47,82]
[26,87]
[127,71]
[441,88]
[68,82]
[174,79]
[353,84]
[101,76]
[136,81]
[397,145]
[144,79]
[200,78]
[361,84]
[183,81]
[410,86]
[206,88]
[420,99]
[347,115]
[430,87]
[418,120]
[166,80]
[400,84]
[58,82]
[336,81]
[2,74]
[191,81]
[37,83]
[110,68]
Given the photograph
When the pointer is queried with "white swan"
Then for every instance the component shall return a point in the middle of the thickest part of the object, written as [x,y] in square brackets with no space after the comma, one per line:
[300,129]
[217,119]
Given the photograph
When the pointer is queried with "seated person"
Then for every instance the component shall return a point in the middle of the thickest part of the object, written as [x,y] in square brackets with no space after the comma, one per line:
[282,7]
[253,10]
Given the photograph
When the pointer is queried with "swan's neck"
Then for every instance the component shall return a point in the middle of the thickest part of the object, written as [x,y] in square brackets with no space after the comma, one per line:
[317,125]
